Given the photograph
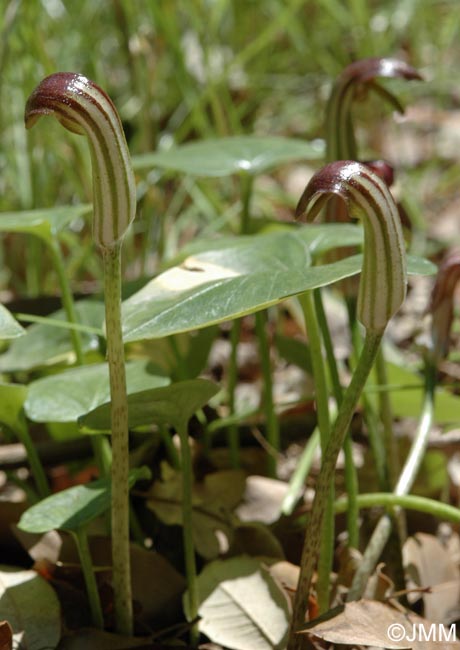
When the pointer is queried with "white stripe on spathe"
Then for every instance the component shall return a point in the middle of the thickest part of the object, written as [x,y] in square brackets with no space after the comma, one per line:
[82,107]
[383,288]
[384,275]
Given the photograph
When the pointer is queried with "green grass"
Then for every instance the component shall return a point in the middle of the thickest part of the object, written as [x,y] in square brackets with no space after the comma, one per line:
[181,70]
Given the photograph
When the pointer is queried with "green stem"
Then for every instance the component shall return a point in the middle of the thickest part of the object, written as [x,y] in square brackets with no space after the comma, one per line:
[180,361]
[233,436]
[328,345]
[408,501]
[325,480]
[33,266]
[417,451]
[233,439]
[396,540]
[406,479]
[135,527]
[81,540]
[297,481]
[352,487]
[102,453]
[385,410]
[99,443]
[273,429]
[187,531]
[171,450]
[33,458]
[247,184]
[120,442]
[317,362]
[67,298]
[322,409]
[370,417]
[351,474]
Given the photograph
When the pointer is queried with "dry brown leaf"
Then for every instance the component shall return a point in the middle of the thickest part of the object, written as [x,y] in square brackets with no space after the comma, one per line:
[371,623]
[6,636]
[262,500]
[349,559]
[157,586]
[432,566]
[381,585]
[40,547]
[213,502]
[286,574]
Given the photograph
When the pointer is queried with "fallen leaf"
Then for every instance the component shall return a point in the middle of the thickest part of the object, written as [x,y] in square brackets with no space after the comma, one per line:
[157,586]
[41,547]
[371,623]
[242,591]
[31,607]
[287,574]
[262,500]
[442,605]
[6,636]
[213,502]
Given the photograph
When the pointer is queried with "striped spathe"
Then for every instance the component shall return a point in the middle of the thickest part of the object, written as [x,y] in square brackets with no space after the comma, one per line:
[383,283]
[84,108]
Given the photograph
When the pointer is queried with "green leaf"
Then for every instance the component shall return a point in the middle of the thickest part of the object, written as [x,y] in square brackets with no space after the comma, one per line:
[47,344]
[241,590]
[12,397]
[173,405]
[294,351]
[225,156]
[407,396]
[221,284]
[9,327]
[183,356]
[218,285]
[66,396]
[420,266]
[42,223]
[319,238]
[74,508]
[433,475]
[31,607]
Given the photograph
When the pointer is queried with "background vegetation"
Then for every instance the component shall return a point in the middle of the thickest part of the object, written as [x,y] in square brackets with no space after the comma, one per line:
[186,70]
[183,70]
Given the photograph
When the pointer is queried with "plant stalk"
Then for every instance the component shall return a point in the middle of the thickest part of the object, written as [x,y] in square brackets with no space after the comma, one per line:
[273,429]
[246,186]
[297,481]
[322,409]
[120,441]
[391,450]
[67,298]
[99,442]
[81,541]
[370,417]
[406,479]
[351,475]
[325,479]
[233,436]
[428,506]
[187,531]
[33,459]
